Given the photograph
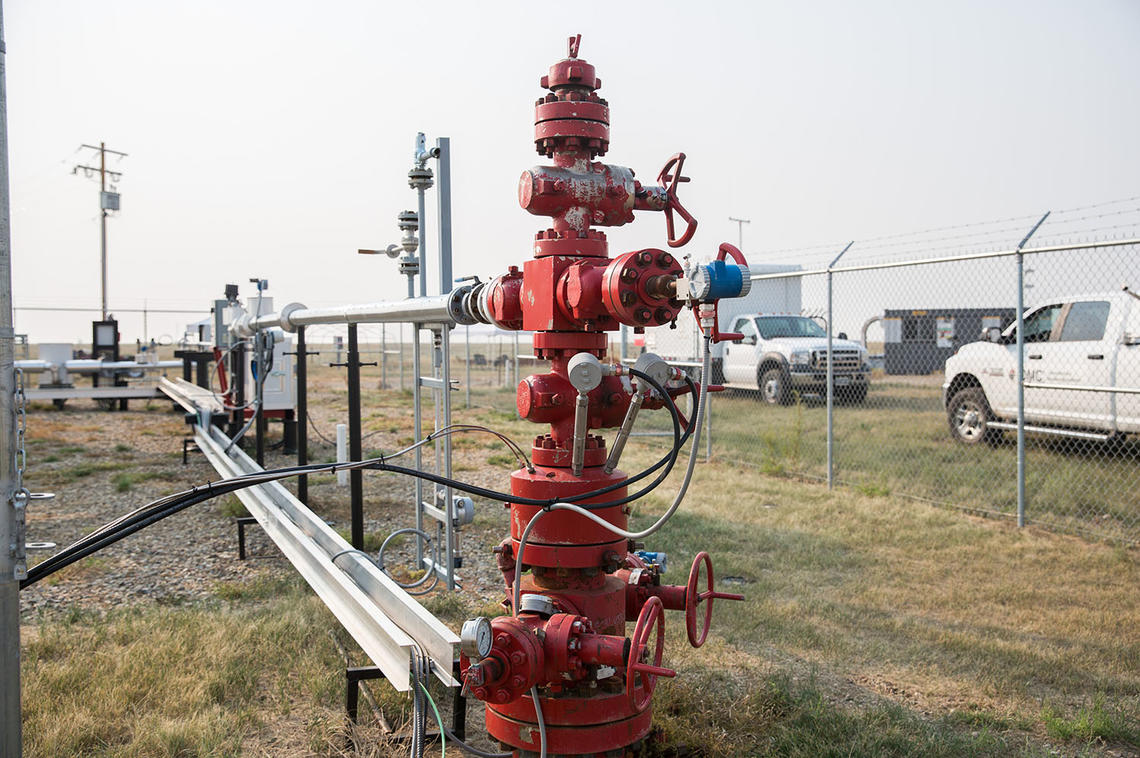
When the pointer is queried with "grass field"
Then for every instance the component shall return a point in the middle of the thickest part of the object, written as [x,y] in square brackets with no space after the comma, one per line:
[873,625]
[898,443]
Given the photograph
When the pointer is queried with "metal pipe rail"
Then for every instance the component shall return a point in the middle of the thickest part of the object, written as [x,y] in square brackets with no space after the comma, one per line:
[386,621]
[448,309]
[93,366]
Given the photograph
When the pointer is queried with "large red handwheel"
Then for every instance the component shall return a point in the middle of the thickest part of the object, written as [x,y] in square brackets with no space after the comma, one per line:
[652,614]
[669,178]
[693,599]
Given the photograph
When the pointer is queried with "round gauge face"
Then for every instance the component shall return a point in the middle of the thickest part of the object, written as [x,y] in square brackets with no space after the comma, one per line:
[699,284]
[475,638]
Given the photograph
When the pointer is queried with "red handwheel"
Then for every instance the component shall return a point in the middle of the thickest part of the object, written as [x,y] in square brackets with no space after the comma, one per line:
[652,614]
[693,599]
[669,178]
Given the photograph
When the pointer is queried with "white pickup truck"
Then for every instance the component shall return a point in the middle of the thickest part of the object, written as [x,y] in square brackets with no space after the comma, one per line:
[1078,351]
[785,355]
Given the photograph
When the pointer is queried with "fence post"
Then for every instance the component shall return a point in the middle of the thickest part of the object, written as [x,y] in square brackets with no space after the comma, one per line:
[401,357]
[1021,371]
[831,374]
[467,368]
[384,356]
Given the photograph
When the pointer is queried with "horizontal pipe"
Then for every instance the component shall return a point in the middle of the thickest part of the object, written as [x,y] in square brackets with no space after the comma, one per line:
[92,366]
[448,309]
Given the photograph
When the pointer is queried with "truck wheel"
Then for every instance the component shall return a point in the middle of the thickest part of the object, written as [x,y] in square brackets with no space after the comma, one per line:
[774,387]
[969,415]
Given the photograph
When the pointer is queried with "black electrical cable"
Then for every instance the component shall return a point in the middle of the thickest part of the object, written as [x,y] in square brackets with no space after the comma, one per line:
[171,504]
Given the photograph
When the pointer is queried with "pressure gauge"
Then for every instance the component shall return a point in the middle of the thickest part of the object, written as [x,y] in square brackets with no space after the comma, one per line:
[475,638]
[700,284]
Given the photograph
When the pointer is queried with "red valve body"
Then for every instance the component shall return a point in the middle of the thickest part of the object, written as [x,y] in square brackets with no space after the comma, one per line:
[570,294]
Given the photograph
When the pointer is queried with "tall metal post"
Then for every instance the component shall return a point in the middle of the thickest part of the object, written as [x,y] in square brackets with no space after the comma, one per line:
[831,374]
[417,434]
[1021,370]
[384,356]
[259,411]
[467,367]
[410,294]
[443,199]
[302,414]
[355,451]
[11,738]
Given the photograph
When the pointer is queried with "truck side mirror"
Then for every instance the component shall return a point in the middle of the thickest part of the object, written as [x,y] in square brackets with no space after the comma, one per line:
[993,334]
[843,335]
[749,340]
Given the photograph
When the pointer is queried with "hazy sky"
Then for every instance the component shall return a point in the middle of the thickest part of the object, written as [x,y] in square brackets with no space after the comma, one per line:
[273,139]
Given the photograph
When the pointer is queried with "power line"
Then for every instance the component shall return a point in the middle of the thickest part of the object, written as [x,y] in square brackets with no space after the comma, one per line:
[108,201]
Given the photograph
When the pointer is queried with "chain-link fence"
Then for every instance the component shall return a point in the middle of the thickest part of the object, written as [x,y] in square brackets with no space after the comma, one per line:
[925,372]
[924,368]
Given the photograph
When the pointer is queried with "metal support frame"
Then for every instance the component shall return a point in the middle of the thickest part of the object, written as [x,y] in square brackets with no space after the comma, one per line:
[354,675]
[384,620]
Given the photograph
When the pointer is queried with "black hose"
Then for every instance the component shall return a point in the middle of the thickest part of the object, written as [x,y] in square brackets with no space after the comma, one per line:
[171,504]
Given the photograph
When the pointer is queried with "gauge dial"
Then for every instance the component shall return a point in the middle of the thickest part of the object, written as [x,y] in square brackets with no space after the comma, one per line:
[475,638]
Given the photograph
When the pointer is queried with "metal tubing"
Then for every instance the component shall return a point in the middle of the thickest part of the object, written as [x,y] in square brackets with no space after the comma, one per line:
[448,493]
[443,198]
[1021,370]
[302,415]
[417,433]
[581,416]
[383,356]
[467,365]
[623,432]
[436,309]
[423,240]
[708,427]
[355,453]
[11,738]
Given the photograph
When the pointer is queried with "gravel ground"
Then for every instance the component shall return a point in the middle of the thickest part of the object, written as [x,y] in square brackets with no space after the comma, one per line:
[101,465]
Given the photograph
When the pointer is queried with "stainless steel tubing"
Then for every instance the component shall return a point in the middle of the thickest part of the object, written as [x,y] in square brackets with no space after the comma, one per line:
[452,308]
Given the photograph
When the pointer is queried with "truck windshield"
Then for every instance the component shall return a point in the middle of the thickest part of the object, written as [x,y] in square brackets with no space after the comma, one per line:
[773,327]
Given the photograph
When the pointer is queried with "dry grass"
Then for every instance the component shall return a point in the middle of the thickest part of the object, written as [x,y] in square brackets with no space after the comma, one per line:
[873,626]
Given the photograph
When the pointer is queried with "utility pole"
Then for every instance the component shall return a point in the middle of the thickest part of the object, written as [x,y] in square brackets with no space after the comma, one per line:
[108,201]
[12,501]
[740,222]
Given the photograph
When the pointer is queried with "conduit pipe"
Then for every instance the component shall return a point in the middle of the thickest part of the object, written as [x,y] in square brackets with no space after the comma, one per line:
[449,309]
